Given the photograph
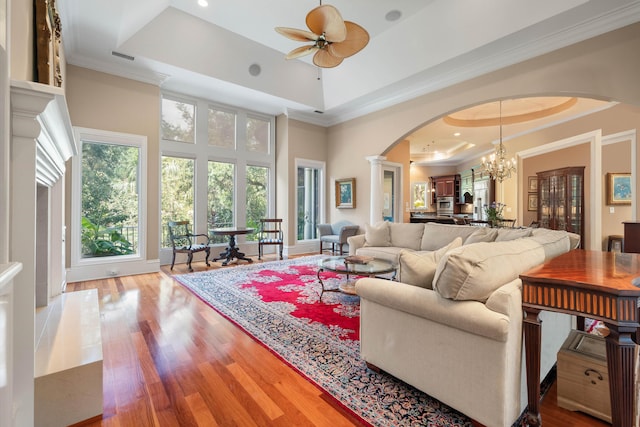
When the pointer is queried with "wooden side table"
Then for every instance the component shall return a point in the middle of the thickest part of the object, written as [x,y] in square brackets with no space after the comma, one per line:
[232,251]
[598,285]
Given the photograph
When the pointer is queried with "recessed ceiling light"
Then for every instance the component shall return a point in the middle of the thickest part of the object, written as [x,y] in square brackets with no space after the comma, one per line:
[393,15]
[456,134]
[203,3]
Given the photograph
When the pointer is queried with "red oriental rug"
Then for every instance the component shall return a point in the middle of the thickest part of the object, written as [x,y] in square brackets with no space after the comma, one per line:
[278,304]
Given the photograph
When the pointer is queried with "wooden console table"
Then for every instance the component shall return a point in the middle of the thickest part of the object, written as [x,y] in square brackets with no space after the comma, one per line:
[598,285]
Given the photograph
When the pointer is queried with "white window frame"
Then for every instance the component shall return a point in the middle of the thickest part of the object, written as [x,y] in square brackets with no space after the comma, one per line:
[203,153]
[177,98]
[99,267]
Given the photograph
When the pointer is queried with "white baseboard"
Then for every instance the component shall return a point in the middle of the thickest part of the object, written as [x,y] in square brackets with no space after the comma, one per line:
[308,247]
[112,269]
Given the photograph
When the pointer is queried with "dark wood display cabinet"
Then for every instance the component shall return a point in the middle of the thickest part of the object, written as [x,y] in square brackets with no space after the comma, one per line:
[561,200]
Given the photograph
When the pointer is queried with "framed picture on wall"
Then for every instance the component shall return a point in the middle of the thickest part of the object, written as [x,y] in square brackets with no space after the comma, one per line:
[532,203]
[619,189]
[346,193]
[419,195]
[533,184]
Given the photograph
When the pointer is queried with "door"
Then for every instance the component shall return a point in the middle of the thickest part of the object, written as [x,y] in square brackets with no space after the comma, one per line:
[391,193]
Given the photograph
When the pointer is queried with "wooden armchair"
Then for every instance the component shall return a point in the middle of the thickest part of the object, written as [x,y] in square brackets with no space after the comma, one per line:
[185,242]
[270,233]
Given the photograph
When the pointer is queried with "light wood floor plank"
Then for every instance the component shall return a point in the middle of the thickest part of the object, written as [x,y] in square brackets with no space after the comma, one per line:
[257,394]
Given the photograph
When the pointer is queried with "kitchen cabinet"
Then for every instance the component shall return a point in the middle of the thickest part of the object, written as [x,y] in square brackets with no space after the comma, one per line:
[466,186]
[446,186]
[561,200]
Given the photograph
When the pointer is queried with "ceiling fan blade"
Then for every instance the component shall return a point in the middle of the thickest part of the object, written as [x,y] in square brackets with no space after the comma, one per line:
[326,19]
[301,51]
[324,59]
[297,35]
[357,39]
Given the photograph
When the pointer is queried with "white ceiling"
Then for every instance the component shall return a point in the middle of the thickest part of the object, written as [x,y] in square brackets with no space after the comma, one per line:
[207,52]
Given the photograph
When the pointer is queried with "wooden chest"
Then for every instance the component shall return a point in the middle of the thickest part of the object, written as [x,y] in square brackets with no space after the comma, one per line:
[583,380]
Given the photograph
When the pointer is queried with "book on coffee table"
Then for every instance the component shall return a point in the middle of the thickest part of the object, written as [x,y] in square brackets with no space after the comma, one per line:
[357,259]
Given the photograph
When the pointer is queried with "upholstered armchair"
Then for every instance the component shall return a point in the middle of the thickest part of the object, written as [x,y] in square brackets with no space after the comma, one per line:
[336,234]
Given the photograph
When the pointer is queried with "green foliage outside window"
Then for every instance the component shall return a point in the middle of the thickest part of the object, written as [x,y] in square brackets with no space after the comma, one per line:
[257,179]
[109,199]
[177,193]
[221,190]
[103,241]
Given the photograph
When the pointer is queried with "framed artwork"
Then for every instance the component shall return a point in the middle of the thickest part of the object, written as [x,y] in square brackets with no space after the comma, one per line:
[346,193]
[48,42]
[419,195]
[532,203]
[533,184]
[619,189]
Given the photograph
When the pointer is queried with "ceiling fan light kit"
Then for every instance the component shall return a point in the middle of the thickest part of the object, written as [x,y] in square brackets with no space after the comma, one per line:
[333,38]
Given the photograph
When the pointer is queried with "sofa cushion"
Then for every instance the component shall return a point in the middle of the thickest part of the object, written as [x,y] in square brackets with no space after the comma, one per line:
[482,234]
[390,253]
[437,235]
[505,234]
[475,271]
[417,268]
[377,235]
[406,235]
[553,242]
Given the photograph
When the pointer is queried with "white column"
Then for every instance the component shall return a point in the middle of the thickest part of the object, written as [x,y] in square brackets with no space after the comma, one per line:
[41,143]
[22,246]
[376,206]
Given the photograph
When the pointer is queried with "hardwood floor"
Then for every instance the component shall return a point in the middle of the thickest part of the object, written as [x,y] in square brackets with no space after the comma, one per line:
[170,360]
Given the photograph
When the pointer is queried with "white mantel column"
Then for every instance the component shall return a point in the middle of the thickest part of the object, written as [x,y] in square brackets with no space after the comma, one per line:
[41,142]
[375,212]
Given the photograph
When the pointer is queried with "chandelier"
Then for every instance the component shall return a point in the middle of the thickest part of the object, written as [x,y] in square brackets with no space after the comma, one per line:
[497,165]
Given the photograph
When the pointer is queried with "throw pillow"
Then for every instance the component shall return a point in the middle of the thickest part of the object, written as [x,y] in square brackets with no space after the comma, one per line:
[377,235]
[474,272]
[482,234]
[419,268]
[505,234]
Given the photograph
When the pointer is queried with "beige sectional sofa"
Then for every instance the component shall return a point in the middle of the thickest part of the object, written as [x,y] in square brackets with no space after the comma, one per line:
[452,325]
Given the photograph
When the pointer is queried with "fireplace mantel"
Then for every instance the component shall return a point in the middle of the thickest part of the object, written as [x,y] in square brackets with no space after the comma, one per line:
[40,112]
[42,141]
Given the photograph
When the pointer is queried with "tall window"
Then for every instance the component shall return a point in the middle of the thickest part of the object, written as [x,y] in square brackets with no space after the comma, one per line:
[309,197]
[109,199]
[177,193]
[257,201]
[231,152]
[109,185]
[221,196]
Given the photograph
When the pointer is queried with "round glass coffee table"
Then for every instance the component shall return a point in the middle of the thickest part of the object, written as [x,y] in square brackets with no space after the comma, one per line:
[337,264]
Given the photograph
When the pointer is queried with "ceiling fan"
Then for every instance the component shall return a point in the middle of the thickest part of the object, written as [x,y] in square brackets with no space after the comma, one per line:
[333,38]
